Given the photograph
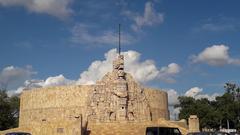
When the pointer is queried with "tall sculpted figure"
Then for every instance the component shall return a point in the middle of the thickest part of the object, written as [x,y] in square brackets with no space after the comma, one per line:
[120,88]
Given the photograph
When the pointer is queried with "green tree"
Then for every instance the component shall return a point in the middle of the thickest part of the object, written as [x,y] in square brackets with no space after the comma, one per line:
[233,106]
[209,118]
[233,89]
[224,111]
[9,111]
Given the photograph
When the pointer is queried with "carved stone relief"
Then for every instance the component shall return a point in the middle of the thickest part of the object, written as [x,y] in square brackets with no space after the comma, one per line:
[114,100]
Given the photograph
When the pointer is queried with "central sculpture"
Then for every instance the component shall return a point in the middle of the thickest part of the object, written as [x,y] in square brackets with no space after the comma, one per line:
[117,97]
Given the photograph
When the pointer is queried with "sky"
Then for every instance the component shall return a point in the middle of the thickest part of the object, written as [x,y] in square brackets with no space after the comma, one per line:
[185,47]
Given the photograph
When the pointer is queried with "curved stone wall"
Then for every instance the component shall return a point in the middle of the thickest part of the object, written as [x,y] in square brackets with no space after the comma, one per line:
[53,104]
[59,103]
[158,101]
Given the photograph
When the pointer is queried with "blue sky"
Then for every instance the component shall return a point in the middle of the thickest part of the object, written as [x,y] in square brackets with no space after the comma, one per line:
[61,39]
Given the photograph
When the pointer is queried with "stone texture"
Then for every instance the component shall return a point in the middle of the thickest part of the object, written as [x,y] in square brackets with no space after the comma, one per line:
[129,128]
[193,123]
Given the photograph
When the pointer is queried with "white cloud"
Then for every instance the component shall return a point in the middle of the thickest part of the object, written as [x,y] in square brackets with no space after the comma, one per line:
[149,18]
[59,80]
[172,68]
[196,93]
[11,77]
[172,97]
[57,8]
[86,34]
[193,92]
[142,71]
[215,55]
[98,69]
[166,73]
[33,83]
[174,112]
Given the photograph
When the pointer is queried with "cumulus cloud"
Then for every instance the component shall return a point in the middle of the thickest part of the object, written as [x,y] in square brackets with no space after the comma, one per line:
[172,101]
[174,112]
[216,55]
[172,97]
[57,8]
[11,77]
[193,92]
[86,34]
[168,71]
[98,69]
[142,71]
[150,17]
[196,93]
[59,80]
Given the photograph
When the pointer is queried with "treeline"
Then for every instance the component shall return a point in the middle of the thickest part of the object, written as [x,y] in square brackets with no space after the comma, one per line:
[9,110]
[223,112]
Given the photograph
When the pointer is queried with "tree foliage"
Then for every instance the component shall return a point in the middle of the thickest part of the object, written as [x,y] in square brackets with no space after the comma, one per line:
[214,114]
[9,111]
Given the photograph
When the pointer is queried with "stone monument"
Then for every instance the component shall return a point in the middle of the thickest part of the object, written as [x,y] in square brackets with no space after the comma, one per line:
[116,104]
[193,123]
[116,99]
